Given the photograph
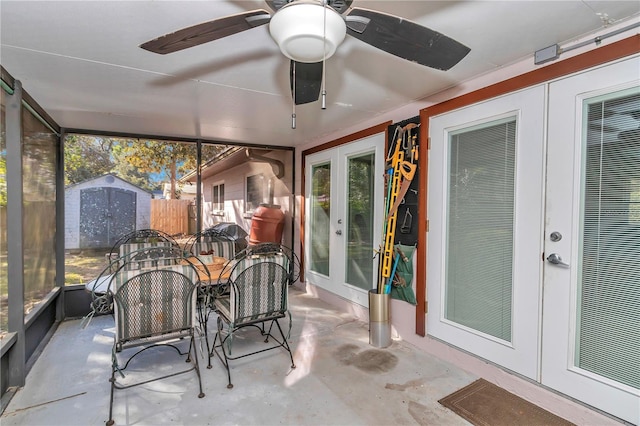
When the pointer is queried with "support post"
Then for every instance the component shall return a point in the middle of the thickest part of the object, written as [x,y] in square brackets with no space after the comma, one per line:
[15,246]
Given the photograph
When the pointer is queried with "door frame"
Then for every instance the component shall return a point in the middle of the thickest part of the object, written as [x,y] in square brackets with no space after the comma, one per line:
[339,157]
[527,108]
[381,128]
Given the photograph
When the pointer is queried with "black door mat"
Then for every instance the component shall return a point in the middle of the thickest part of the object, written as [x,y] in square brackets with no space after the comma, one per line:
[483,403]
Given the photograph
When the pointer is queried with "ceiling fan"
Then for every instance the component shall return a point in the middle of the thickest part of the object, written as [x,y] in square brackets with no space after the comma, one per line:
[308,32]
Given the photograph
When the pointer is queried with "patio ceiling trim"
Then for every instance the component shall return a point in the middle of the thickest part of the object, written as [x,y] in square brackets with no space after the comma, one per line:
[8,84]
[175,139]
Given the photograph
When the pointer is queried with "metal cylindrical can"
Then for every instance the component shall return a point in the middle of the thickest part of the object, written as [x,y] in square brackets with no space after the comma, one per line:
[379,319]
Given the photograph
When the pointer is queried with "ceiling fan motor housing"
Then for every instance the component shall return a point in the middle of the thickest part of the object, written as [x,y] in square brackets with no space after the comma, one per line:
[307,31]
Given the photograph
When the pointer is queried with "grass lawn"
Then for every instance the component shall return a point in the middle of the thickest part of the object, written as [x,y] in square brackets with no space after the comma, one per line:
[84,266]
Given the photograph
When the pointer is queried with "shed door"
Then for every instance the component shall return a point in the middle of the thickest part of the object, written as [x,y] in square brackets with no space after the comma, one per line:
[106,214]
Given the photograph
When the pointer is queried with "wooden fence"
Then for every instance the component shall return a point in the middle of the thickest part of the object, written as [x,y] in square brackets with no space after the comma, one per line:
[170,216]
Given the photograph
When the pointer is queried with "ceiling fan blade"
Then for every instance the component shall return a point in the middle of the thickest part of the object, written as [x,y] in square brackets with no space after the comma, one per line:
[207,31]
[307,78]
[405,39]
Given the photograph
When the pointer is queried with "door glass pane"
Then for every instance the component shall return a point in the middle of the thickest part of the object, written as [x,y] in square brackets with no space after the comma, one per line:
[480,227]
[608,312]
[359,271]
[320,217]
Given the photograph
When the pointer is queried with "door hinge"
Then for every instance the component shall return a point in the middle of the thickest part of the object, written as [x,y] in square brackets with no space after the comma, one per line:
[426,306]
[427,226]
[428,143]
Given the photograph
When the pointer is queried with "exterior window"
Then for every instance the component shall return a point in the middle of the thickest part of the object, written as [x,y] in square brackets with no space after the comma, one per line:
[255,192]
[217,197]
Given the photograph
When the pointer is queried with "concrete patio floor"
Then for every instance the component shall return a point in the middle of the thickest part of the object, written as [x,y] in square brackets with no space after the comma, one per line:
[340,380]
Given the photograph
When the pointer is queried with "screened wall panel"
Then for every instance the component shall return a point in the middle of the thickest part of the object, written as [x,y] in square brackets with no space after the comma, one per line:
[4,293]
[40,157]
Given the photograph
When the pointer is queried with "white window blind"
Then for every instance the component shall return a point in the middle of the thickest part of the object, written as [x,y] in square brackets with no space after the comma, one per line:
[608,314]
[480,227]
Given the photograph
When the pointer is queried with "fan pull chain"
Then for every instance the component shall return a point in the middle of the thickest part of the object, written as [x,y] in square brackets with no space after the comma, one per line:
[324,57]
[293,114]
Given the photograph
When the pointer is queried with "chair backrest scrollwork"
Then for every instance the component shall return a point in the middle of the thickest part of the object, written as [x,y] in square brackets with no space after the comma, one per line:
[153,304]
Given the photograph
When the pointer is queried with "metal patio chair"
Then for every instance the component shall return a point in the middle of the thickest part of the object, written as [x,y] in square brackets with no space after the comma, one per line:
[125,267]
[138,239]
[269,248]
[224,240]
[151,309]
[256,296]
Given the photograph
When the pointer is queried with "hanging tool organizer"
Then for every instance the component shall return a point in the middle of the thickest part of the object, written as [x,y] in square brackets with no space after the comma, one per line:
[401,202]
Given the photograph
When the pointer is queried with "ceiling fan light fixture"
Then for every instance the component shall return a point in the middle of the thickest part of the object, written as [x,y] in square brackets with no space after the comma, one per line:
[299,30]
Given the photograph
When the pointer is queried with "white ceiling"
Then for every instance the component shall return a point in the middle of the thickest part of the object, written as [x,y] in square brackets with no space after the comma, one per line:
[81,62]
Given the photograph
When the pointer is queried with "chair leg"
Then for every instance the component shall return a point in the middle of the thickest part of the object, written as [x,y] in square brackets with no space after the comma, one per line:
[211,350]
[197,366]
[268,333]
[110,422]
[220,342]
[223,358]
[204,319]
[285,344]
[116,369]
[206,339]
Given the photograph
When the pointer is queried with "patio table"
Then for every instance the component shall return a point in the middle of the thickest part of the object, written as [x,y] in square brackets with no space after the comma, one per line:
[217,275]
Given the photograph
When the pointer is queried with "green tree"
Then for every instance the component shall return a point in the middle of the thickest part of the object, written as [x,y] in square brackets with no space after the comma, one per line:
[153,156]
[134,175]
[86,157]
[133,160]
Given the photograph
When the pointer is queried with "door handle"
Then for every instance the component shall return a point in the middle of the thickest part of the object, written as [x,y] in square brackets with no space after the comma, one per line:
[556,260]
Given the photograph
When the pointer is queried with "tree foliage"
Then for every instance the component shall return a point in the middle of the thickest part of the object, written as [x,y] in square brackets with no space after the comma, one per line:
[85,157]
[153,156]
[134,160]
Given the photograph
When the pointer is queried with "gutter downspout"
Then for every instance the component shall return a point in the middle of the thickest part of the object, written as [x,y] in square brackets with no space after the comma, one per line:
[279,174]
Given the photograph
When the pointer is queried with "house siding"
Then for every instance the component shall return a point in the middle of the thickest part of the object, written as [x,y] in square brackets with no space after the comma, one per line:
[234,193]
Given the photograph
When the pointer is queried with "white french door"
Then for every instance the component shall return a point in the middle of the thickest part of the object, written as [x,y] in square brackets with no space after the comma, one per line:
[343,217]
[534,238]
[485,228]
[591,323]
